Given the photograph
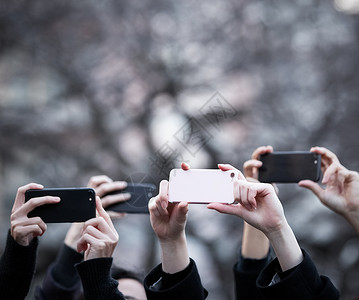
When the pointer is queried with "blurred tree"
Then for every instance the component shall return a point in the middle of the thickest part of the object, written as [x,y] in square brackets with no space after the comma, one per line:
[128,89]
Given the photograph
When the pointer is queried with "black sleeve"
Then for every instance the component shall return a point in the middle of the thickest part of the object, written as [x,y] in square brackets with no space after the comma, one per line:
[62,281]
[301,282]
[246,272]
[17,267]
[185,284]
[96,279]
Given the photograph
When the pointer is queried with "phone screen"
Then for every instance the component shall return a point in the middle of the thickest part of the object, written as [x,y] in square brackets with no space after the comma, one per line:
[201,185]
[290,167]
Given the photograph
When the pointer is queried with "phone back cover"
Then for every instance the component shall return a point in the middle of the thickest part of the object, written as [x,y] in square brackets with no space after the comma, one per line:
[76,205]
[141,193]
[201,186]
[290,167]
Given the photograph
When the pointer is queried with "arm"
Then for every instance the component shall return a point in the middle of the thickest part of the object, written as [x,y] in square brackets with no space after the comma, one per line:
[177,277]
[17,263]
[341,193]
[255,251]
[62,278]
[98,241]
[254,244]
[259,205]
[168,222]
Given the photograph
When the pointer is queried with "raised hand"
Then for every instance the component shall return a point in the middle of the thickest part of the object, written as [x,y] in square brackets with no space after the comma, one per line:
[99,237]
[168,221]
[23,228]
[341,191]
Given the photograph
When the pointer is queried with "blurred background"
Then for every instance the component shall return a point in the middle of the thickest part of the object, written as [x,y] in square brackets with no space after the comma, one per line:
[132,88]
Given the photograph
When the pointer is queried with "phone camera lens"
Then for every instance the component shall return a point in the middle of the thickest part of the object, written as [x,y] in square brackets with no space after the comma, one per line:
[232,174]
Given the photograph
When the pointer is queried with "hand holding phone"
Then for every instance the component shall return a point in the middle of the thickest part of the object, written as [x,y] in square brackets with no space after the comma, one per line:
[290,167]
[202,185]
[76,205]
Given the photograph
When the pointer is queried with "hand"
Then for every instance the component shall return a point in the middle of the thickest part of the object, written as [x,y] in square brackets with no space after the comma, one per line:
[99,237]
[257,204]
[341,193]
[168,220]
[23,228]
[260,207]
[104,185]
[250,167]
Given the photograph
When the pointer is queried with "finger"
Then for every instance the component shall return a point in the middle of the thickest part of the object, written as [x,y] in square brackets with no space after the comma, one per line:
[99,228]
[110,187]
[230,209]
[331,171]
[183,208]
[95,232]
[327,157]
[244,196]
[162,200]
[103,214]
[36,202]
[116,215]
[185,166]
[250,168]
[252,193]
[95,181]
[313,186]
[82,244]
[236,192]
[113,199]
[261,150]
[20,194]
[29,228]
[152,207]
[227,167]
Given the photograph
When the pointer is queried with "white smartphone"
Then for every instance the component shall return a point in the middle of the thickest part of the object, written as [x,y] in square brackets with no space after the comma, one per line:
[202,185]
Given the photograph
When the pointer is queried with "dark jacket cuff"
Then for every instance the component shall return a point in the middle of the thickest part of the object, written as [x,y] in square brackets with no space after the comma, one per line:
[190,287]
[96,279]
[303,281]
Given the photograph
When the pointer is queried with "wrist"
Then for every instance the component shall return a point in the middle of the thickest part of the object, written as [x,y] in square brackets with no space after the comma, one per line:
[175,256]
[286,246]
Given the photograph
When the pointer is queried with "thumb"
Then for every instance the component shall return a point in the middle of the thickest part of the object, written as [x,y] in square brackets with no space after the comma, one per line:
[313,186]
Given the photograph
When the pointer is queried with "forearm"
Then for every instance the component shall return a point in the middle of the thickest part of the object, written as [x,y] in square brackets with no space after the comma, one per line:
[73,235]
[286,247]
[254,243]
[174,255]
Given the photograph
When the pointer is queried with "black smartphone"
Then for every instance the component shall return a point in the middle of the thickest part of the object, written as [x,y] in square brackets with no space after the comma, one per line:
[290,167]
[76,205]
[141,193]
